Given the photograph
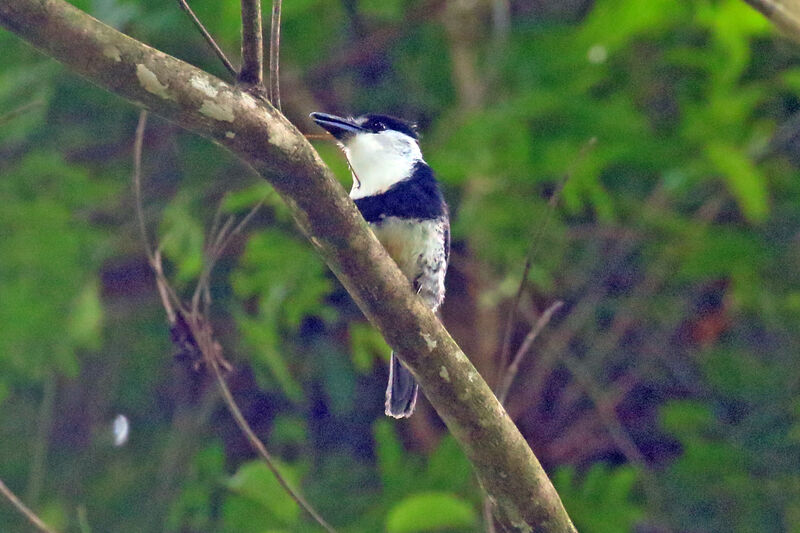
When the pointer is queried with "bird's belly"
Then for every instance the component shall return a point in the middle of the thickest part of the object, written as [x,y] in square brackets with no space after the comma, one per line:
[408,242]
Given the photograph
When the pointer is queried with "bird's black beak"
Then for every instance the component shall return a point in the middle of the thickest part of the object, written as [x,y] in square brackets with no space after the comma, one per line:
[339,127]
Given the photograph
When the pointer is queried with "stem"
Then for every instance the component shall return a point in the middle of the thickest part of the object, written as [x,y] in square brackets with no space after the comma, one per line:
[22,508]
[207,36]
[275,55]
[252,73]
[259,447]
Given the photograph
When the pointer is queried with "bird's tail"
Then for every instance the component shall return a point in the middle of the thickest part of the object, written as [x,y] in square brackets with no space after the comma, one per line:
[401,393]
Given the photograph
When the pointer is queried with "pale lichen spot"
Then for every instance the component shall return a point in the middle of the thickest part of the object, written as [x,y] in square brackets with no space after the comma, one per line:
[230,134]
[281,136]
[202,85]
[112,52]
[444,374]
[150,83]
[217,110]
[249,100]
[430,342]
[472,376]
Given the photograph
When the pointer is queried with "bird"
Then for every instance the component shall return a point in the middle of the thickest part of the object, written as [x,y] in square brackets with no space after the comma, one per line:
[398,195]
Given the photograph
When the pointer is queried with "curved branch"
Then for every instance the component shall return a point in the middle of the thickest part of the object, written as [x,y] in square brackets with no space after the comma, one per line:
[259,135]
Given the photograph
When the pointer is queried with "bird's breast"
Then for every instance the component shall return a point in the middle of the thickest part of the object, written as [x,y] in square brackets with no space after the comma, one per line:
[408,241]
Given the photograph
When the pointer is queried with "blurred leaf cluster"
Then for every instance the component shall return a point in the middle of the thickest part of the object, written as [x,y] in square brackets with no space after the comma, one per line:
[665,396]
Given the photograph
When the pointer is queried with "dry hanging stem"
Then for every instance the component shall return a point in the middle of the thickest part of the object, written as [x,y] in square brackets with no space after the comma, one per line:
[191,331]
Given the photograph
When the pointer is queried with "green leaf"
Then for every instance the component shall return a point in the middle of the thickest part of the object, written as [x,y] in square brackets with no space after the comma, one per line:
[745,181]
[367,345]
[182,238]
[86,319]
[430,511]
[257,488]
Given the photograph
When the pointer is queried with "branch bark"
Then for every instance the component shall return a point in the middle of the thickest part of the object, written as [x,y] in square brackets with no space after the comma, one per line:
[785,14]
[261,136]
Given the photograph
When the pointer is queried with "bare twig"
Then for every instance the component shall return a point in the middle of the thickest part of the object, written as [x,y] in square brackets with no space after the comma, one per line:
[137,182]
[207,36]
[784,14]
[512,314]
[275,55]
[194,330]
[259,447]
[252,72]
[214,252]
[22,508]
[513,367]
[21,110]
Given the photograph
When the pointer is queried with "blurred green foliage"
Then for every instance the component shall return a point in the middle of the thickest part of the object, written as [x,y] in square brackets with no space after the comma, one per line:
[665,397]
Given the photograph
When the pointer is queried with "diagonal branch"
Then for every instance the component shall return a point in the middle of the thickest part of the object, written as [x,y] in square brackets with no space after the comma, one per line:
[262,137]
[785,14]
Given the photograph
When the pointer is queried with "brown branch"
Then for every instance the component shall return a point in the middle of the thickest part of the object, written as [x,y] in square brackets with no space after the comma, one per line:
[22,508]
[252,73]
[275,55]
[513,367]
[209,39]
[540,230]
[261,136]
[785,14]
[195,333]
[137,183]
[259,447]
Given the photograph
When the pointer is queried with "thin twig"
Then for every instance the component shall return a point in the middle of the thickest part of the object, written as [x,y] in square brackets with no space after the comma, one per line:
[551,204]
[22,508]
[259,447]
[21,110]
[207,36]
[275,55]
[252,72]
[221,241]
[513,368]
[199,327]
[137,182]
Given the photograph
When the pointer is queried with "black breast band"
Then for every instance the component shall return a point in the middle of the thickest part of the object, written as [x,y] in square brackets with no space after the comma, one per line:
[418,197]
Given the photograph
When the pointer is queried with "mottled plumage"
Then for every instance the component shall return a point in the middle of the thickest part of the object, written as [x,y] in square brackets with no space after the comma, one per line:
[399,197]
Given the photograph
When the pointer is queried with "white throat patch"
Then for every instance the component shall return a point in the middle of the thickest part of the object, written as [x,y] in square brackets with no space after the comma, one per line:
[379,160]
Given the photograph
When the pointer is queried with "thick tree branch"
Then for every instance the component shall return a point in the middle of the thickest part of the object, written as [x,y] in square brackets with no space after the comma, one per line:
[261,136]
[785,14]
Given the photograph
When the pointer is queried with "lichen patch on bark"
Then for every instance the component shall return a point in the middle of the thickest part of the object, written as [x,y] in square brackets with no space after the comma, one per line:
[112,52]
[202,85]
[429,342]
[150,82]
[217,110]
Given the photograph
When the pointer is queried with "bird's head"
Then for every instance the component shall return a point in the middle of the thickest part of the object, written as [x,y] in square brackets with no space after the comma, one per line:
[381,150]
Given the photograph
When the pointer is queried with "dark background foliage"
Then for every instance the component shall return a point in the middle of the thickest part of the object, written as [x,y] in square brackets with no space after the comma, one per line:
[663,396]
